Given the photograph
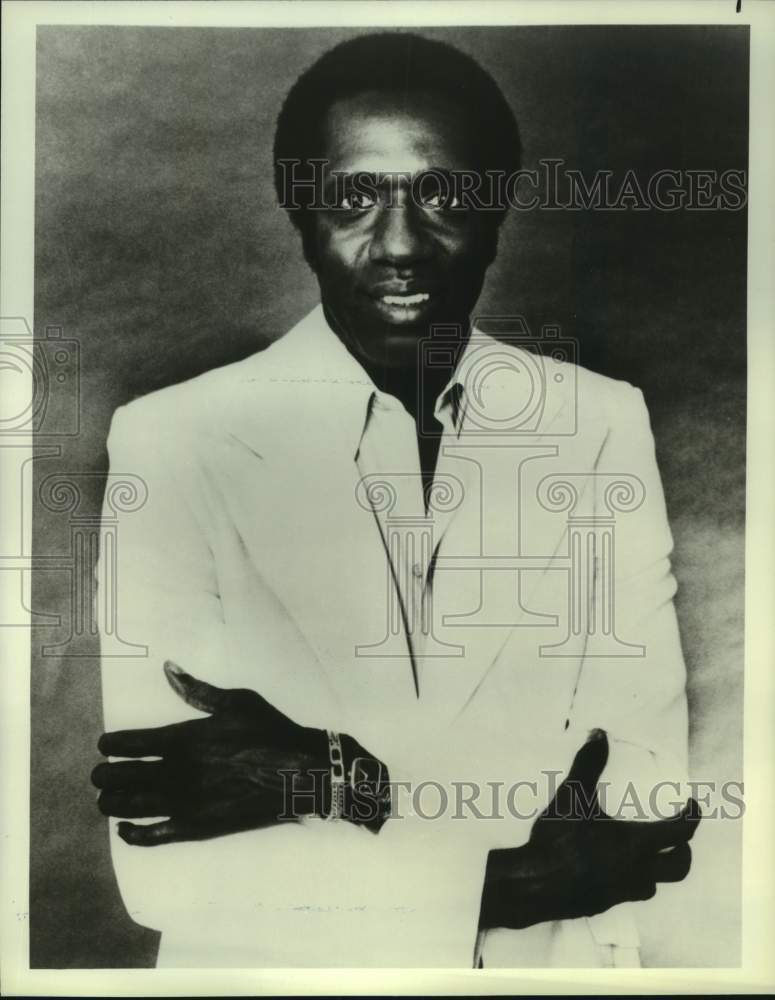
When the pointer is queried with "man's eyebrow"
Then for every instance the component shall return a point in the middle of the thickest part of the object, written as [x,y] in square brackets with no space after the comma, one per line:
[344,179]
[446,174]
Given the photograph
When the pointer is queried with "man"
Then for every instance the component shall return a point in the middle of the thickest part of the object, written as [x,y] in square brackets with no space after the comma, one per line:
[356,574]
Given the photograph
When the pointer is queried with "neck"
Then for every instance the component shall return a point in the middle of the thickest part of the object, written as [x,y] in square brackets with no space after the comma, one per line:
[417,388]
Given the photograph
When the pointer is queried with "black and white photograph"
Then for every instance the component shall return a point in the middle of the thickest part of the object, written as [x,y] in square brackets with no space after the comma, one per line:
[383,485]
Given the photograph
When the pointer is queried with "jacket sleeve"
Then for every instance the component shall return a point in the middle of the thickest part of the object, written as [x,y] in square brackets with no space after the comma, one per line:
[633,684]
[640,700]
[637,696]
[161,574]
[157,591]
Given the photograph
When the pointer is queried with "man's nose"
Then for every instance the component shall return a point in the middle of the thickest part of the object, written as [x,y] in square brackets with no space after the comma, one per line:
[398,237]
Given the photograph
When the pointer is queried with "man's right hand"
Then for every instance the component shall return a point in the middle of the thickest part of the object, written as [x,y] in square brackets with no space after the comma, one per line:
[580,861]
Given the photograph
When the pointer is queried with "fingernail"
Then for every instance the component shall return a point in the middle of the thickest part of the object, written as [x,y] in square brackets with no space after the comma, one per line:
[596,734]
[693,810]
[173,668]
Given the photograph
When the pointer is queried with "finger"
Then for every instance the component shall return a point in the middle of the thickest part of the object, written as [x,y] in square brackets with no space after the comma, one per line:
[673,866]
[140,742]
[669,832]
[198,694]
[129,773]
[133,805]
[150,834]
[577,795]
[640,889]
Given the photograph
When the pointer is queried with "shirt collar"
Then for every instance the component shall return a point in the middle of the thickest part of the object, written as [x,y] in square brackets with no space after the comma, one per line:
[319,358]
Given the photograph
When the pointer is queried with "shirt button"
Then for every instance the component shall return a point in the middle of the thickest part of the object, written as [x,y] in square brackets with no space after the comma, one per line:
[417,571]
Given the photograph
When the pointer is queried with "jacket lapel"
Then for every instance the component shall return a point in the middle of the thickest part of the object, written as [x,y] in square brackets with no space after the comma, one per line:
[479,600]
[296,420]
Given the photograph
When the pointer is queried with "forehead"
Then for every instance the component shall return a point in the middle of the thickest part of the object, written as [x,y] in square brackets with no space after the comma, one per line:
[376,132]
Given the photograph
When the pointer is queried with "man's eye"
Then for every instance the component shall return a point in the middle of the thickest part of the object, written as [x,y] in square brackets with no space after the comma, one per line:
[356,201]
[438,201]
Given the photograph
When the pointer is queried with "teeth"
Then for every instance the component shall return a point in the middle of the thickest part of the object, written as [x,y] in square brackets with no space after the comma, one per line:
[405,300]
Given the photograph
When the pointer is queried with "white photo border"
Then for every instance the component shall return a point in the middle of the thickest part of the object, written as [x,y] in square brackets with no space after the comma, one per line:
[757,971]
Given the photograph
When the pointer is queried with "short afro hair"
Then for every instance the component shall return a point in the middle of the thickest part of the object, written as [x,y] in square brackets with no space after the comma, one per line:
[394,62]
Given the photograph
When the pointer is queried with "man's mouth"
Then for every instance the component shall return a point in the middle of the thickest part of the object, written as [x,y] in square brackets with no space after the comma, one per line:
[403,308]
[406,301]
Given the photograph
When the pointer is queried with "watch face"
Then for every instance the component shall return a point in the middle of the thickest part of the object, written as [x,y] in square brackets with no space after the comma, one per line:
[368,792]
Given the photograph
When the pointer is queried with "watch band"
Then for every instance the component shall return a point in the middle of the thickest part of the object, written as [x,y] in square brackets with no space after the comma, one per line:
[337,776]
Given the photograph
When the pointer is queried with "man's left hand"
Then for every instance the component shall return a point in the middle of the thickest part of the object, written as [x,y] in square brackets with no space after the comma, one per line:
[217,775]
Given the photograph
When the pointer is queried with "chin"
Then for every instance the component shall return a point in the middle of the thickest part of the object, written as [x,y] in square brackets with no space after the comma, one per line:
[397,350]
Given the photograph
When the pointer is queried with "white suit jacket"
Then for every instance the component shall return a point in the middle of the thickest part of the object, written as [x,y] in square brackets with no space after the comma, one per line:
[257,560]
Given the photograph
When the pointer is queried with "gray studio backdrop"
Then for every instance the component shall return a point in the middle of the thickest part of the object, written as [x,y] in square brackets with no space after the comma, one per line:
[161,253]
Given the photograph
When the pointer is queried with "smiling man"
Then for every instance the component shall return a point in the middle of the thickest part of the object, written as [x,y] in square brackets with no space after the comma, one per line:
[343,578]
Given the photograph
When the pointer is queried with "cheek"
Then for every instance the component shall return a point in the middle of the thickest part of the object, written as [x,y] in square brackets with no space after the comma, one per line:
[338,256]
[473,245]
[468,262]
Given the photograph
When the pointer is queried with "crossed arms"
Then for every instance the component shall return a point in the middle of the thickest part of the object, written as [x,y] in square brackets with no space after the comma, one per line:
[229,772]
[225,773]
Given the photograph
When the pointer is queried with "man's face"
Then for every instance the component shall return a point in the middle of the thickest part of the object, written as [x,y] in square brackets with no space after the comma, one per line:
[401,258]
